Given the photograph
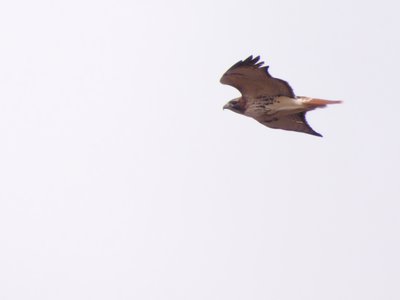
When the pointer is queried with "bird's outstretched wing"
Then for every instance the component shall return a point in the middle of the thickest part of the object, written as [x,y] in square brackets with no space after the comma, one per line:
[295,122]
[253,80]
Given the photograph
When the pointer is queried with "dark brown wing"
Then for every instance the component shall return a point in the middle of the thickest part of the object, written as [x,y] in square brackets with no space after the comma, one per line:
[253,80]
[296,122]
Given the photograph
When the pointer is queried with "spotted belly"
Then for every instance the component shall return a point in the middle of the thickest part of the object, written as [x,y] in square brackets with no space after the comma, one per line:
[273,106]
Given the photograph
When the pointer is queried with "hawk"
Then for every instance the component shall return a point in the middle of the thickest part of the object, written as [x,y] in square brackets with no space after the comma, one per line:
[268,100]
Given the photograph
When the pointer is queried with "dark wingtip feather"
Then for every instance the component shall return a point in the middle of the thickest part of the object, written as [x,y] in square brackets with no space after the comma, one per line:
[311,130]
[317,134]
[248,62]
[256,59]
[249,59]
[266,69]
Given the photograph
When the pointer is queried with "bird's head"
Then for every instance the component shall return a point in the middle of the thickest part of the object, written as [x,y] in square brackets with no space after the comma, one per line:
[235,105]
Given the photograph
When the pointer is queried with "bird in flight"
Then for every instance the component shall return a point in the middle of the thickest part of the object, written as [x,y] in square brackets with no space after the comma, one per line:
[268,100]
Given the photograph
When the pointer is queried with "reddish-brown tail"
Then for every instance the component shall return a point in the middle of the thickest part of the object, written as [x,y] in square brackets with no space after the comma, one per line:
[321,102]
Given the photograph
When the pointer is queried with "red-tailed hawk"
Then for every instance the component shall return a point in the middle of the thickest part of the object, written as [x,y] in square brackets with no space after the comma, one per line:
[269,100]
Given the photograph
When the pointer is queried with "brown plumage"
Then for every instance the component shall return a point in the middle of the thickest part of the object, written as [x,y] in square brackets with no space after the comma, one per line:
[270,101]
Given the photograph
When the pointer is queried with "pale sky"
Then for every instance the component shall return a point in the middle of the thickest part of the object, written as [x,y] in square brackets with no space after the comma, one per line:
[123,178]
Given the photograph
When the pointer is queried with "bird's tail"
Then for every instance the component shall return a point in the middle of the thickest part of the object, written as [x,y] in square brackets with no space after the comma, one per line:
[319,103]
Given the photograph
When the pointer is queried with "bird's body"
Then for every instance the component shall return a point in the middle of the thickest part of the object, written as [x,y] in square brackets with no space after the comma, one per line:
[269,100]
[273,106]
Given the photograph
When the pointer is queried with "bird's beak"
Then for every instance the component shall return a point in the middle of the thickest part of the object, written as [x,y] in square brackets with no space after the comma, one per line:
[226,106]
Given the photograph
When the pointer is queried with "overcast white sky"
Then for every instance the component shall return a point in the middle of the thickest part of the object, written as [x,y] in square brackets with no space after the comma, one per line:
[122,177]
